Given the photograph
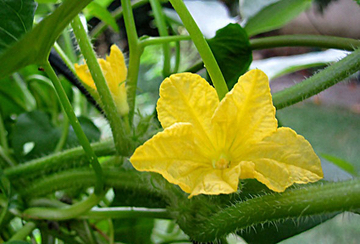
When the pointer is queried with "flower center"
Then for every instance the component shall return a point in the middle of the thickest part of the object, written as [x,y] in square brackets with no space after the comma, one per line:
[221,163]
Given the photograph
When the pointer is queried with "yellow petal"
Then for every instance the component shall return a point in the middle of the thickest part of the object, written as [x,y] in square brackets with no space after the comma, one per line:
[117,63]
[111,80]
[84,74]
[246,114]
[188,98]
[174,154]
[280,160]
[215,181]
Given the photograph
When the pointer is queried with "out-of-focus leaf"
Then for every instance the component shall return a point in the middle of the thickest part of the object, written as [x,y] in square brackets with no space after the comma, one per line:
[16,18]
[275,16]
[34,135]
[91,131]
[232,51]
[140,229]
[16,242]
[248,8]
[12,98]
[100,12]
[343,164]
[41,38]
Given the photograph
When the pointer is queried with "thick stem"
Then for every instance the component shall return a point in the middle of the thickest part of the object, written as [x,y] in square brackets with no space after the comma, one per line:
[202,47]
[305,41]
[83,140]
[121,141]
[318,82]
[306,201]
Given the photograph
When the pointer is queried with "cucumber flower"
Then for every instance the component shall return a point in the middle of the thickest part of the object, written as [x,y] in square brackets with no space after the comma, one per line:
[208,145]
[115,72]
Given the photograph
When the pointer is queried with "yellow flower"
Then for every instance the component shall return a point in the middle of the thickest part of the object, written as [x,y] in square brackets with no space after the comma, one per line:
[115,72]
[207,145]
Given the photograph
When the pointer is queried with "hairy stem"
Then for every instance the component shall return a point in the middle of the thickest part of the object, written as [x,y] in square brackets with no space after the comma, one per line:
[126,212]
[121,141]
[305,201]
[318,82]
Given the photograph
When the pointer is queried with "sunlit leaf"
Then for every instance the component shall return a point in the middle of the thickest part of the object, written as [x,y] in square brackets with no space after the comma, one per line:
[275,16]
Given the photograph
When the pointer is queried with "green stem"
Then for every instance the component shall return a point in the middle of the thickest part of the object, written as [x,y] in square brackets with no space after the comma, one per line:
[202,47]
[161,40]
[297,41]
[122,144]
[111,231]
[52,162]
[23,232]
[3,135]
[83,177]
[118,13]
[7,158]
[64,57]
[69,46]
[318,82]
[83,140]
[70,212]
[305,41]
[64,135]
[305,201]
[135,51]
[162,28]
[126,212]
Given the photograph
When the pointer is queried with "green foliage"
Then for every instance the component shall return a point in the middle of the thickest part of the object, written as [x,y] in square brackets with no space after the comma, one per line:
[100,12]
[275,16]
[232,51]
[16,19]
[42,38]
[34,135]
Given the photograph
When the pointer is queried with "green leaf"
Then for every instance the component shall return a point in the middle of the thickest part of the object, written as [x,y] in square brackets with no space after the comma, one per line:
[249,8]
[100,12]
[16,19]
[275,16]
[16,242]
[41,37]
[232,51]
[343,164]
[34,135]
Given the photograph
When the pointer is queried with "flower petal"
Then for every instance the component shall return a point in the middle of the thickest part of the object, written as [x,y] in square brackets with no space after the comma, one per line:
[117,63]
[215,181]
[280,160]
[246,114]
[174,154]
[188,98]
[110,77]
[84,74]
